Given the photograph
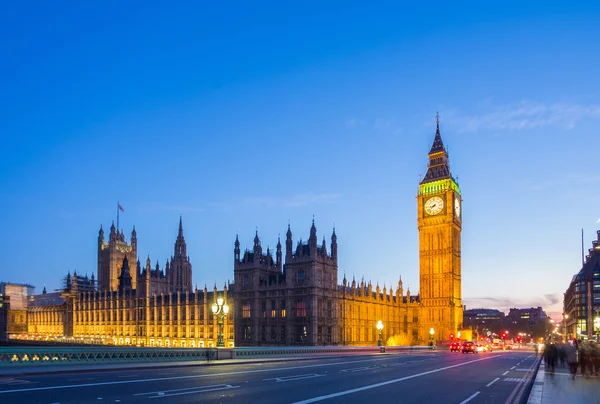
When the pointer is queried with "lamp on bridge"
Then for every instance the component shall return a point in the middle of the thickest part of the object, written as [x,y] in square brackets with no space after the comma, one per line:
[220,309]
[380,329]
[431,332]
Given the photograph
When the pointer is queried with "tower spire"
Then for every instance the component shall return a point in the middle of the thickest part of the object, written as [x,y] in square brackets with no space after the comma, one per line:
[438,167]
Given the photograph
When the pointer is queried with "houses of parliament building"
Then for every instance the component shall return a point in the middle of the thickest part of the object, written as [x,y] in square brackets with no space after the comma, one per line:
[291,299]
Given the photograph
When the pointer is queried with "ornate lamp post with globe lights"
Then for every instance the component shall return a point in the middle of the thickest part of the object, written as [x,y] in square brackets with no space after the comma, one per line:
[431,332]
[220,309]
[380,329]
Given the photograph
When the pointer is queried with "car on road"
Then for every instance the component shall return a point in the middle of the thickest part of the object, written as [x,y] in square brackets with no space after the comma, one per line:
[468,347]
[455,347]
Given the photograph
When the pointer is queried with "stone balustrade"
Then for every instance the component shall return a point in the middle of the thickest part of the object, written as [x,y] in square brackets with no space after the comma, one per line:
[54,355]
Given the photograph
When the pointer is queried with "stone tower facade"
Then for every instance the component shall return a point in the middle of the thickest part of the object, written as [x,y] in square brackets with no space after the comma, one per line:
[179,270]
[111,256]
[439,206]
[289,304]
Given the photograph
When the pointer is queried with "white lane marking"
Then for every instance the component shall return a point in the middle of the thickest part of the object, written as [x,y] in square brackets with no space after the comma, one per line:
[513,379]
[505,373]
[391,365]
[358,369]
[522,370]
[72,386]
[470,398]
[492,382]
[372,386]
[162,392]
[14,382]
[292,378]
[196,391]
[512,367]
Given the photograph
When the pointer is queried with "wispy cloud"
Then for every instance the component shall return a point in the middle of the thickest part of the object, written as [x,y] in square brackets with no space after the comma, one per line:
[528,114]
[549,302]
[354,122]
[304,199]
[161,207]
[576,180]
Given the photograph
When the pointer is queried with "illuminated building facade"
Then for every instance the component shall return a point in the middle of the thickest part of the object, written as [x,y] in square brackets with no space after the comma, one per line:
[582,298]
[17,314]
[132,305]
[439,207]
[50,314]
[299,302]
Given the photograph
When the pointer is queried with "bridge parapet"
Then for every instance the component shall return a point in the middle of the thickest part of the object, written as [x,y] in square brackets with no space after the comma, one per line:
[55,355]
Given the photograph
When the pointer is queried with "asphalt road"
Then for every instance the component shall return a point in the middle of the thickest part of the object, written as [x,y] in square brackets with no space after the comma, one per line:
[436,377]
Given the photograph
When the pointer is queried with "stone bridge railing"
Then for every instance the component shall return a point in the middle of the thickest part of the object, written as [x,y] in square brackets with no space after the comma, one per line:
[55,355]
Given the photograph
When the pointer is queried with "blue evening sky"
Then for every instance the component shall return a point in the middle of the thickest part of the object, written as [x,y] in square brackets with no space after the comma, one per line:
[255,114]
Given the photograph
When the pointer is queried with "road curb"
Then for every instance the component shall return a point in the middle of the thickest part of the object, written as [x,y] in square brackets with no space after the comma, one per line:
[535,396]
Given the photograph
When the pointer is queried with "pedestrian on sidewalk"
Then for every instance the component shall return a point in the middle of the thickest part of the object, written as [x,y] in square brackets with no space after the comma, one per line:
[562,355]
[571,357]
[550,354]
[595,348]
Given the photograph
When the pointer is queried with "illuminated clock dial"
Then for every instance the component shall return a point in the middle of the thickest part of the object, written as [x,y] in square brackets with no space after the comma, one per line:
[434,205]
[457,207]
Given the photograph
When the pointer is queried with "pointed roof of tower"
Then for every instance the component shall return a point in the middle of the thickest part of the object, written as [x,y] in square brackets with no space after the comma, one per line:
[438,145]
[438,167]
[180,234]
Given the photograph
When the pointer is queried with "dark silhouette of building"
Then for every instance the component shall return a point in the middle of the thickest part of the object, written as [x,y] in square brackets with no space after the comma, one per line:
[4,308]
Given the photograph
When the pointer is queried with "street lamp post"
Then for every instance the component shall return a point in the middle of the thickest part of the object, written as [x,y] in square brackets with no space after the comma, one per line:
[431,332]
[565,318]
[380,329]
[220,309]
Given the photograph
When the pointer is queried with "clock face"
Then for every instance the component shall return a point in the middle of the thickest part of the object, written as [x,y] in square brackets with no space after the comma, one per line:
[434,205]
[457,207]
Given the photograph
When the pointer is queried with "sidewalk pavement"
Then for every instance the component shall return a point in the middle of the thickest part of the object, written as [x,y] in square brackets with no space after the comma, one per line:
[559,387]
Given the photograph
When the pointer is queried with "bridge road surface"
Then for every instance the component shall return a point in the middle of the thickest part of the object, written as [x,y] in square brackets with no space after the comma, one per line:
[429,377]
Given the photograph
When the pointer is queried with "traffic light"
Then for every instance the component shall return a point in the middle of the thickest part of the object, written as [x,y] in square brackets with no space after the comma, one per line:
[451,336]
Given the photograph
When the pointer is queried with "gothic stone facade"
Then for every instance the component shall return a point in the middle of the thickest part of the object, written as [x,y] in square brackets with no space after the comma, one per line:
[299,302]
[132,305]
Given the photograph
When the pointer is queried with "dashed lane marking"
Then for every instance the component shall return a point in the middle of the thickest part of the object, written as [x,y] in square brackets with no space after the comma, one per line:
[359,369]
[472,396]
[293,378]
[189,390]
[492,382]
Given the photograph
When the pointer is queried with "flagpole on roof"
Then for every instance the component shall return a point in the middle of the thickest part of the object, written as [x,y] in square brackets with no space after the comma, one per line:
[118,204]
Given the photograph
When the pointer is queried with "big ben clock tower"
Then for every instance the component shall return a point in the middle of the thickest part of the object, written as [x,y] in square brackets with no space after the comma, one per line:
[439,206]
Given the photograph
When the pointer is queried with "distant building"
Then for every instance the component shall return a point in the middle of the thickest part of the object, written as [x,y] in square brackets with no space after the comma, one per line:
[4,307]
[581,302]
[18,292]
[17,315]
[483,318]
[526,317]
